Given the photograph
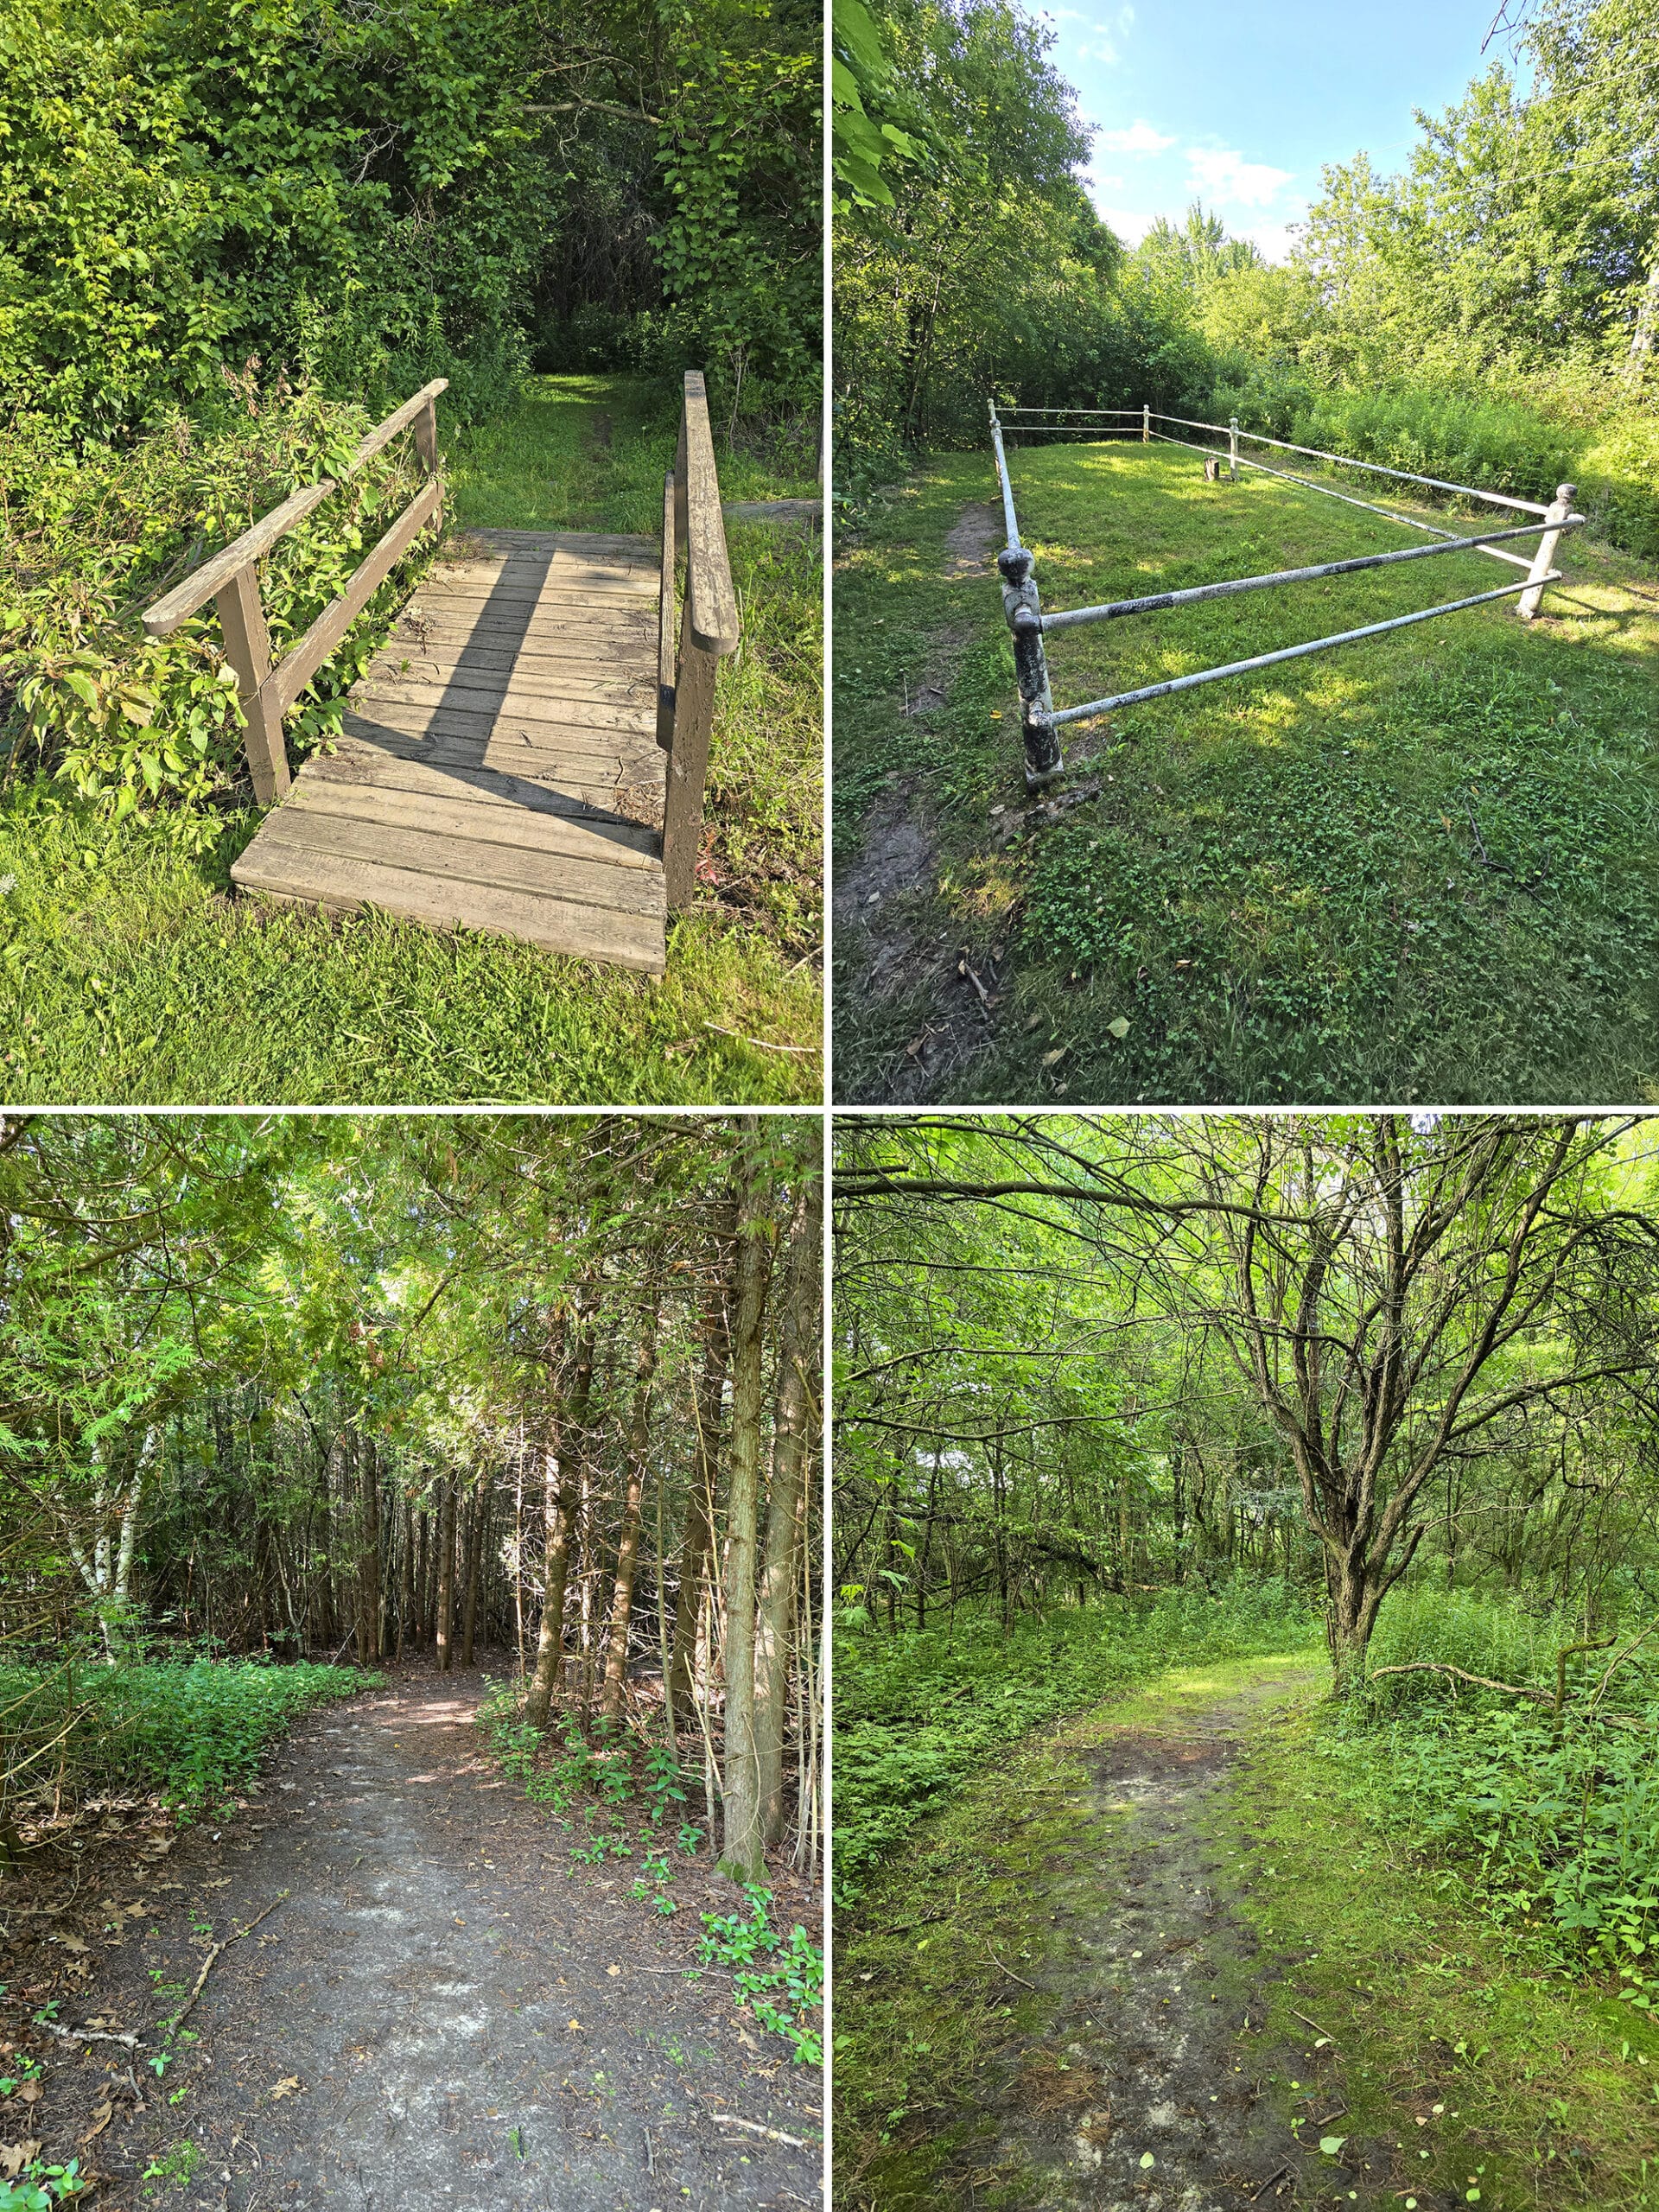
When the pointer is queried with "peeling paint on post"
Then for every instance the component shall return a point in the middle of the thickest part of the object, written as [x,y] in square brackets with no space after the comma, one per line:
[1024,610]
[1146,423]
[1544,559]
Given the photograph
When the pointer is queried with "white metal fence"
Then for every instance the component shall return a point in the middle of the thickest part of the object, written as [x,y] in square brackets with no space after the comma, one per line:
[1040,718]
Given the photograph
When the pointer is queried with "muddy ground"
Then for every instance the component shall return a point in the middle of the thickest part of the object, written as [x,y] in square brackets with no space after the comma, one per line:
[437,2009]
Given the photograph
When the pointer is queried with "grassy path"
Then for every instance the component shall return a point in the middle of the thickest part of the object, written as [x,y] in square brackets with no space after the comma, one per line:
[1094,1980]
[1419,867]
[442,2009]
[129,976]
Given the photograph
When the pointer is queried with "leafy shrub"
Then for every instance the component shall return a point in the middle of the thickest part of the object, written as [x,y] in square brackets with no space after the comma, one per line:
[1617,477]
[192,1730]
[916,1713]
[780,1978]
[89,539]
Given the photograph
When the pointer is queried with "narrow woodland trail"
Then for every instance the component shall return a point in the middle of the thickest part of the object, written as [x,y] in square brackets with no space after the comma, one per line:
[442,2012]
[1143,2093]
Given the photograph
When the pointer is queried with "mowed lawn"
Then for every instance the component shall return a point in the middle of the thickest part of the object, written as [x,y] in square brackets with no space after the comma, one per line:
[1424,866]
[130,974]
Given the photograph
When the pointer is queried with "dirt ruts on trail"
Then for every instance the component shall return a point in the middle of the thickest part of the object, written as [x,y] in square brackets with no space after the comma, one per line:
[1143,2094]
[442,2010]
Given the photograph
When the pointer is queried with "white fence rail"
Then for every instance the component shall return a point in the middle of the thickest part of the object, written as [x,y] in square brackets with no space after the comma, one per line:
[1022,606]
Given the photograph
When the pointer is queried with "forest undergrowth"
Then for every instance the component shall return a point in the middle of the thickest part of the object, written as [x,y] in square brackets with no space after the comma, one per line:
[625,1799]
[188,1730]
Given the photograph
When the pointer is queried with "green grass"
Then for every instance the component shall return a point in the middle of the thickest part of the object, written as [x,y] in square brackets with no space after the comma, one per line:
[916,1713]
[129,975]
[1550,2085]
[1424,867]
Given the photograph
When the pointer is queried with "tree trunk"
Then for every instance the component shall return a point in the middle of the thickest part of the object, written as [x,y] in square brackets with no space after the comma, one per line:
[477,1522]
[445,1622]
[794,1419]
[741,1854]
[627,1548]
[698,1534]
[368,1557]
[559,1499]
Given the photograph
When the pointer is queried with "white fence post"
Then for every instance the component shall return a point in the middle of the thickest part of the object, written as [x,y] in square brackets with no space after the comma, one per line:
[1544,559]
[1232,444]
[1146,423]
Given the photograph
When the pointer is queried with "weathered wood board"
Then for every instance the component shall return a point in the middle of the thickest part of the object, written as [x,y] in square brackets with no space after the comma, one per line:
[500,768]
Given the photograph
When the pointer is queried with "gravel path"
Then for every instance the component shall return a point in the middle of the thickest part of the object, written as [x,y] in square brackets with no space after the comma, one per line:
[441,2012]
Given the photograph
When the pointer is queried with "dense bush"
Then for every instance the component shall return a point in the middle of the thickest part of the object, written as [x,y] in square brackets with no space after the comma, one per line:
[1556,1828]
[90,538]
[191,1731]
[915,1713]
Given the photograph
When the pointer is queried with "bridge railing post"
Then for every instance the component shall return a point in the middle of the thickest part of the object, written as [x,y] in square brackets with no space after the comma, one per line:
[231,580]
[1232,446]
[709,631]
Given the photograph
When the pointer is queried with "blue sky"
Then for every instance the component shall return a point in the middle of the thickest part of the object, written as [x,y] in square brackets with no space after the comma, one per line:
[1239,102]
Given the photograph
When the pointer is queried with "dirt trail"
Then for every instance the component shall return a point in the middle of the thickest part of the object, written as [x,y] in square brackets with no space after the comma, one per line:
[1152,1981]
[442,2012]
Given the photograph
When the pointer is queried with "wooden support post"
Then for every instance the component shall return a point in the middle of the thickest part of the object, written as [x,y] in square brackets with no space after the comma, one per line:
[425,427]
[1232,444]
[1146,423]
[247,648]
[1544,560]
[688,766]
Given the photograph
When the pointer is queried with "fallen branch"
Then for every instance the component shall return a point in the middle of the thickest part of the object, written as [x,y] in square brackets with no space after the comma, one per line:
[1271,2178]
[212,1959]
[1314,2025]
[1484,1682]
[806,1051]
[1009,1971]
[84,2034]
[771,2134]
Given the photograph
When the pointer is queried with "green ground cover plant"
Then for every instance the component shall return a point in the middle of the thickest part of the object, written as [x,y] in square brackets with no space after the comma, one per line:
[614,1773]
[189,1730]
[130,974]
[1547,2079]
[918,1712]
[1418,867]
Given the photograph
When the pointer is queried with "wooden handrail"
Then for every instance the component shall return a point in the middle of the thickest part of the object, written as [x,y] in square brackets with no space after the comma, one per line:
[708,629]
[231,579]
[708,570]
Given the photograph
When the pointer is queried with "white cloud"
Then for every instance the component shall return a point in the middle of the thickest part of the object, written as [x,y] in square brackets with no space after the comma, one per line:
[1228,176]
[1125,21]
[1139,138]
[1273,238]
[1131,224]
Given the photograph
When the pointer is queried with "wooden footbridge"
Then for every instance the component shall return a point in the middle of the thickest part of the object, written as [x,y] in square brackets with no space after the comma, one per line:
[527,753]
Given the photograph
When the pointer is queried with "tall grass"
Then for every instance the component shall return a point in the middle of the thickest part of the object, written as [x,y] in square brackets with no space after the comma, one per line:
[1552,1824]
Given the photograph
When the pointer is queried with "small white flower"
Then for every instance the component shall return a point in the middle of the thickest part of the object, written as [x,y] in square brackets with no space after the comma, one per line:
[7,883]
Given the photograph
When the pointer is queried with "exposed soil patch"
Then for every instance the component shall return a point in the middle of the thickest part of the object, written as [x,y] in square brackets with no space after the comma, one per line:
[892,947]
[1144,2094]
[974,542]
[440,2011]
